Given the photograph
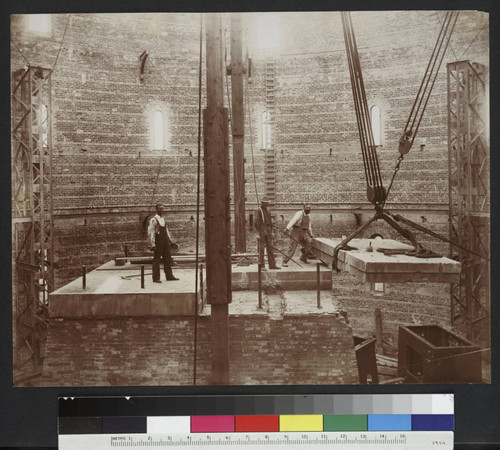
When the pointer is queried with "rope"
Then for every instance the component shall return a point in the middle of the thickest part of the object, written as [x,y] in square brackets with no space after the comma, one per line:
[236,180]
[196,274]
[163,149]
[421,100]
[451,47]
[410,223]
[473,40]
[19,50]
[431,72]
[396,170]
[247,97]
[60,47]
[159,74]
[368,149]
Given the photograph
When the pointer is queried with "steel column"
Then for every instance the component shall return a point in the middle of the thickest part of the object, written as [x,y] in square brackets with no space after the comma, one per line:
[32,225]
[469,196]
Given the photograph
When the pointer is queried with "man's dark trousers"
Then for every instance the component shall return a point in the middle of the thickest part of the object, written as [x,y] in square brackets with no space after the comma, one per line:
[162,251]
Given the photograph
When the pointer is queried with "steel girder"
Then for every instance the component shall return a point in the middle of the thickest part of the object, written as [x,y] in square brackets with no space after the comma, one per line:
[32,226]
[469,196]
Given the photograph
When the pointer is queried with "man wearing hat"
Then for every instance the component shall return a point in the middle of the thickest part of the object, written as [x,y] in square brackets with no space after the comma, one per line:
[264,226]
[160,240]
[300,232]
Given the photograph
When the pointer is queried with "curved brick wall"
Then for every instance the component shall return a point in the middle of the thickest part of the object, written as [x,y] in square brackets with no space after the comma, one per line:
[105,174]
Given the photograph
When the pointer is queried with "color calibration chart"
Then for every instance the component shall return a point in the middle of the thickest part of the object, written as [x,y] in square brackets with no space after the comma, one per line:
[361,421]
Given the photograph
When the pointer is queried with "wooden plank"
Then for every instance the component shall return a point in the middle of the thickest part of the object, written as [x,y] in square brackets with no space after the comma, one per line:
[220,343]
[217,201]
[216,166]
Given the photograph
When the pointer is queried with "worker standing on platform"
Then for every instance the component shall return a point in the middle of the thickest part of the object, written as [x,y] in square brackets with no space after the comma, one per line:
[300,232]
[264,226]
[160,240]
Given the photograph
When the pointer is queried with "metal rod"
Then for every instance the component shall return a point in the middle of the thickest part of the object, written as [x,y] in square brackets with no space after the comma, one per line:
[259,277]
[201,283]
[84,277]
[142,276]
[318,286]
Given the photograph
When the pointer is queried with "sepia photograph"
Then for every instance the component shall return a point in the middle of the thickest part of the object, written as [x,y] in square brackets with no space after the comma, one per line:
[257,198]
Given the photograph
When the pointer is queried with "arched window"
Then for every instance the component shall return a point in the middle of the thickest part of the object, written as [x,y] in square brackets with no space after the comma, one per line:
[158,131]
[376,124]
[266,130]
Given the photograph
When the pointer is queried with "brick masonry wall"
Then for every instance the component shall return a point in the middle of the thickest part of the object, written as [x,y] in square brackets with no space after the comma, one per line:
[106,177]
[399,304]
[159,351]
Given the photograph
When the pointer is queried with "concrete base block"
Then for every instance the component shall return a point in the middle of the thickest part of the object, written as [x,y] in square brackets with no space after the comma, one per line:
[370,265]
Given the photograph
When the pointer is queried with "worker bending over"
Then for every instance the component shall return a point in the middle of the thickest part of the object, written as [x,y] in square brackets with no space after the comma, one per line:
[300,232]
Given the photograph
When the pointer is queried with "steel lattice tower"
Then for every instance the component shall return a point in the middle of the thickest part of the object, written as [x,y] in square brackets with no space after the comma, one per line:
[32,226]
[469,196]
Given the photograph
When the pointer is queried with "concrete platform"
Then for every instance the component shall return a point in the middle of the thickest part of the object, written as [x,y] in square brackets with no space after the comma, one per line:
[376,267]
[113,291]
[288,278]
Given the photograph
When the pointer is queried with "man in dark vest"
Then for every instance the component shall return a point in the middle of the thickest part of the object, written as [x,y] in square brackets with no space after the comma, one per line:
[300,232]
[160,240]
[264,226]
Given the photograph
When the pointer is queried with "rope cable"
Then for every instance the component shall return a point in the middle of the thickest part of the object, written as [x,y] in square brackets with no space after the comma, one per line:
[236,179]
[249,114]
[451,47]
[435,76]
[431,59]
[425,89]
[60,47]
[19,50]
[196,274]
[484,27]
[371,164]
[432,73]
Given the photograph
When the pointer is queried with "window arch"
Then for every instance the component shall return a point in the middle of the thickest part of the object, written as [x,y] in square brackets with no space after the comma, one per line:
[266,130]
[376,122]
[158,131]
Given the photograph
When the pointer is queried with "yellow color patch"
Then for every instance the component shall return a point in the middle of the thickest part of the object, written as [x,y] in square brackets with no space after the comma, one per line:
[311,422]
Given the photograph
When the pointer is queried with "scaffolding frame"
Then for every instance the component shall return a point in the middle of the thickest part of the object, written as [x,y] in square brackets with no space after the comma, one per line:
[469,196]
[32,225]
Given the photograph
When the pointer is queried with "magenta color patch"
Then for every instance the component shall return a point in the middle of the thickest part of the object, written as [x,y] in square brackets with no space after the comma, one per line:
[212,424]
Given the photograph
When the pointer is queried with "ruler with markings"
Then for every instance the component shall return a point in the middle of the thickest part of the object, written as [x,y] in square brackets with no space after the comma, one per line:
[415,440]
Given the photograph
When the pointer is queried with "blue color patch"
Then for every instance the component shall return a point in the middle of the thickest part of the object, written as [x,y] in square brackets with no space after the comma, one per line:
[389,422]
[432,422]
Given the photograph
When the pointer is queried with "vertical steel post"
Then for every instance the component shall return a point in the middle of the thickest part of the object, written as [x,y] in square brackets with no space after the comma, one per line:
[201,283]
[469,196]
[318,284]
[259,283]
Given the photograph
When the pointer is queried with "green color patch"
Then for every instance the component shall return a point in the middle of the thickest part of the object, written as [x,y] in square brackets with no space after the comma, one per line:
[345,422]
